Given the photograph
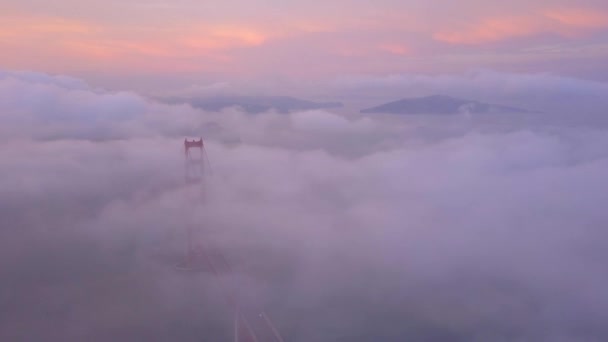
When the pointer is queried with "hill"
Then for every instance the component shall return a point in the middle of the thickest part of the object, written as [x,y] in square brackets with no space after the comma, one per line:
[440,104]
[254,104]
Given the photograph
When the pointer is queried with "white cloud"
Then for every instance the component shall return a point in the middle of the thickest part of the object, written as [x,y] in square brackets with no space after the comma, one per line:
[41,78]
[340,228]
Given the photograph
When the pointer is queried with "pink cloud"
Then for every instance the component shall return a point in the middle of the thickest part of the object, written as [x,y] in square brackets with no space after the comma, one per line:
[583,18]
[396,49]
[490,30]
[565,22]
[287,42]
[33,27]
[66,42]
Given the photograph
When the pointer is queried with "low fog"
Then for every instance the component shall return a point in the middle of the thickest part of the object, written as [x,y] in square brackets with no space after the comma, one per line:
[342,228]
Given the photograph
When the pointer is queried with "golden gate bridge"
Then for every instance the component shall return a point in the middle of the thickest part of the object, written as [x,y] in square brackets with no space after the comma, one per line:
[251,324]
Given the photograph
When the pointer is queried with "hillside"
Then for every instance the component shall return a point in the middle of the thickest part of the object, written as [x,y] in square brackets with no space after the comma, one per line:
[254,104]
[440,104]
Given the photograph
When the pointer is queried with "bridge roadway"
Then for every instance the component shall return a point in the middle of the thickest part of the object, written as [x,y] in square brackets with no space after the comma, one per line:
[250,323]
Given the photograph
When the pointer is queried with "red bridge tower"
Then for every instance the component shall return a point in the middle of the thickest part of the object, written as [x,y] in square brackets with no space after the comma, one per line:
[194,169]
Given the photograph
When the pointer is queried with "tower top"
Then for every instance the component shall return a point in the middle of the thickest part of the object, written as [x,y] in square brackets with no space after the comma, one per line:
[194,143]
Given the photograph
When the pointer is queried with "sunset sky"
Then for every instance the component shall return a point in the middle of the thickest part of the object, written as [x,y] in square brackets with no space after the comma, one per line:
[114,40]
[372,170]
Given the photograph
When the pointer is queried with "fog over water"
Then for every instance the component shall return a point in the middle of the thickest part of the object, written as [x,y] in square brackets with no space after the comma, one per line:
[343,227]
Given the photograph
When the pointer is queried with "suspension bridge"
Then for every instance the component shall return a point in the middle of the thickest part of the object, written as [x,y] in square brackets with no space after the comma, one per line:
[251,324]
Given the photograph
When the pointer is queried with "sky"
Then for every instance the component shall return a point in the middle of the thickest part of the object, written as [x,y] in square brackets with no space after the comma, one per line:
[134,43]
[341,226]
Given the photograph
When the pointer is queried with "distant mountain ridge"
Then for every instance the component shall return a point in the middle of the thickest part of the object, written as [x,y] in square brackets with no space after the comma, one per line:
[441,104]
[253,104]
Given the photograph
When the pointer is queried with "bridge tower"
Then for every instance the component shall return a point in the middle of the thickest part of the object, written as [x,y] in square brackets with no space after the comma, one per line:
[194,153]
[194,171]
[250,324]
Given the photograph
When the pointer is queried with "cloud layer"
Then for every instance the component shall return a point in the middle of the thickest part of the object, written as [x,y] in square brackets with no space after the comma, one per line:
[342,229]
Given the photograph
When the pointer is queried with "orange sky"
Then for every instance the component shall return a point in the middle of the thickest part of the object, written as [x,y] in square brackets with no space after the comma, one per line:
[298,40]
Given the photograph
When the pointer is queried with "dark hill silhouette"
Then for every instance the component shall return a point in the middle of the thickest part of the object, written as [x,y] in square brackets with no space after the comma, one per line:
[254,104]
[441,104]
